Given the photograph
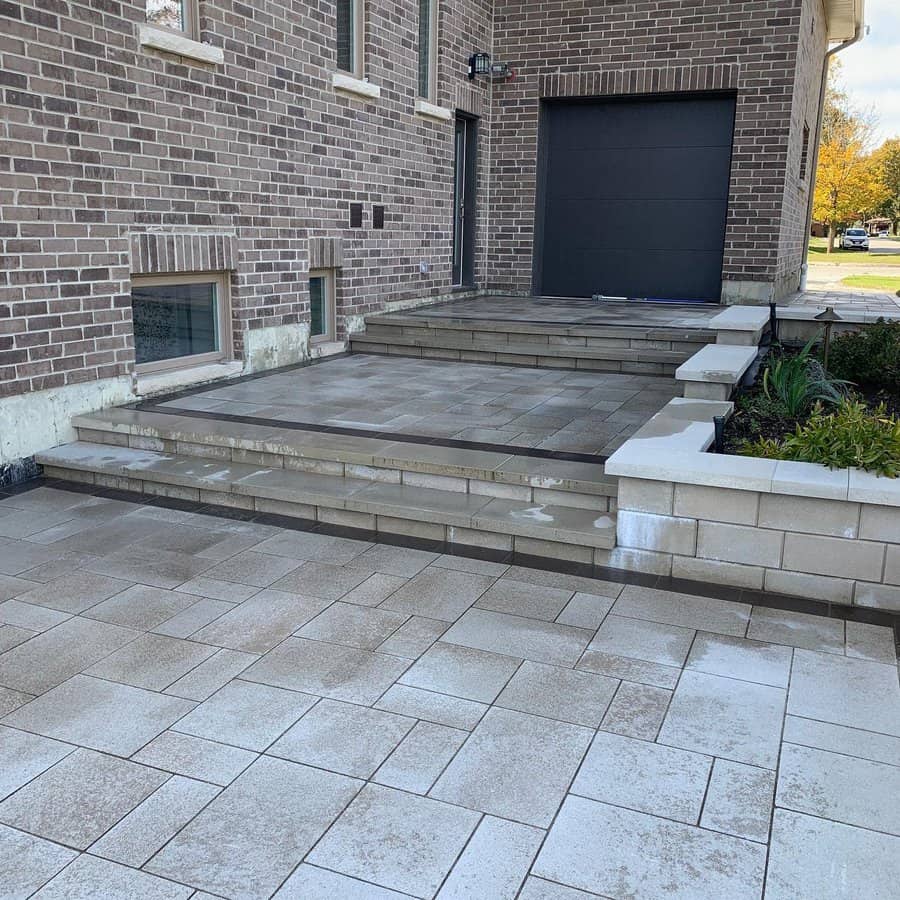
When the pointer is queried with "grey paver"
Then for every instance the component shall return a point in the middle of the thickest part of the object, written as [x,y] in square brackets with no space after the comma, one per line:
[26,615]
[327,670]
[585,610]
[811,857]
[375,589]
[737,720]
[193,757]
[301,545]
[637,710]
[216,589]
[89,877]
[874,642]
[52,657]
[362,842]
[245,714]
[558,693]
[840,788]
[413,637]
[321,579]
[461,672]
[354,626]
[214,672]
[193,618]
[152,661]
[10,700]
[250,838]
[74,593]
[313,883]
[517,636]
[628,669]
[841,739]
[100,714]
[502,769]
[343,737]
[141,607]
[739,658]
[150,825]
[653,642]
[258,624]
[540,889]
[162,568]
[670,608]
[27,862]
[438,708]
[781,626]
[420,757]
[255,569]
[438,594]
[80,798]
[532,600]
[494,863]
[24,755]
[844,691]
[739,800]
[11,636]
[618,852]
[644,776]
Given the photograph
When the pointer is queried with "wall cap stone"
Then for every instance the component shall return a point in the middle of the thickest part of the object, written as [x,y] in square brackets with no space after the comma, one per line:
[718,363]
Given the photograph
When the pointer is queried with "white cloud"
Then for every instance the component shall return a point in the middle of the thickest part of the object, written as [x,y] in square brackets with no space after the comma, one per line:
[872,67]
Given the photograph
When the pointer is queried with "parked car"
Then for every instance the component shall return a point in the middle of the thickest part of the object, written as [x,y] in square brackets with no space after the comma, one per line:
[855,239]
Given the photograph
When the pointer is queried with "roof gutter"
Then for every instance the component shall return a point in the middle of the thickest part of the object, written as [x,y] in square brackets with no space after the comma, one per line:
[814,163]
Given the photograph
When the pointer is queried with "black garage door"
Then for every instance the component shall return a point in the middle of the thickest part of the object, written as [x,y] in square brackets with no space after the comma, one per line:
[633,197]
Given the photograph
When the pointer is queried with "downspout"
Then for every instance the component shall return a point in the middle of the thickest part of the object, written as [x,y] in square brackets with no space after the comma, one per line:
[814,162]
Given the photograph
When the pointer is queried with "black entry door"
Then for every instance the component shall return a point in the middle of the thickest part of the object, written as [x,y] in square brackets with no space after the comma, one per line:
[633,197]
[464,173]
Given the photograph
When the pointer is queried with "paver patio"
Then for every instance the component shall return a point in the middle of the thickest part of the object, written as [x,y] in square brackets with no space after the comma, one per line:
[195,706]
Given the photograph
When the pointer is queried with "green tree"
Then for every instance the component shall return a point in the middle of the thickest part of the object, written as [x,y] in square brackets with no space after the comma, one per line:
[888,159]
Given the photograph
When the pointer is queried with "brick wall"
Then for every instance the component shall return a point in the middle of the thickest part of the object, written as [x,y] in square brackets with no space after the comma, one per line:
[102,139]
[645,46]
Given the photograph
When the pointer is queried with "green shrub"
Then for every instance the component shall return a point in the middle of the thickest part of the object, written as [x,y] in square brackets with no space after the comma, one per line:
[797,382]
[852,435]
[870,357]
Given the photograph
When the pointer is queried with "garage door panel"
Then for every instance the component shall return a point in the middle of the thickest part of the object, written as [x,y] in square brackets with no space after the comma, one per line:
[635,197]
[649,224]
[629,273]
[661,173]
[660,123]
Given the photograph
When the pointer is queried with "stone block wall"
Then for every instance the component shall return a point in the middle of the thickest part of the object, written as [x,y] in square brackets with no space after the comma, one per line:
[838,551]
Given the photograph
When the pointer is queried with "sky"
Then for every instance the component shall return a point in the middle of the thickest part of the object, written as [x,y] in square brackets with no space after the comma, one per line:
[871,69]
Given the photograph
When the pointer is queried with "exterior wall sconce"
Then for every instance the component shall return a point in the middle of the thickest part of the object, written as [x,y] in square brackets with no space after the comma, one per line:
[479,64]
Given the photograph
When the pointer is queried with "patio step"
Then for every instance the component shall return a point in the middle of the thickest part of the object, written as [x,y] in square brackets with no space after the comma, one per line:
[644,350]
[489,470]
[451,516]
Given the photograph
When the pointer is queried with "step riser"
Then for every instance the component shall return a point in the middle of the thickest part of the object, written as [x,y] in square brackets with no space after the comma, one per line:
[493,357]
[422,526]
[568,494]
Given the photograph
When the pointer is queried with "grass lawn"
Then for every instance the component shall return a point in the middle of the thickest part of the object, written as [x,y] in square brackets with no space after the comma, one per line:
[874,282]
[818,254]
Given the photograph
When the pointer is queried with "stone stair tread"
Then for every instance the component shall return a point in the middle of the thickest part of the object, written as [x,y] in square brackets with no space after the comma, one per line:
[559,523]
[620,354]
[487,465]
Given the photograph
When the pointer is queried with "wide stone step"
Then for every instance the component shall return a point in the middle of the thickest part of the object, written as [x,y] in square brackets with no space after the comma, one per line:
[545,529]
[505,473]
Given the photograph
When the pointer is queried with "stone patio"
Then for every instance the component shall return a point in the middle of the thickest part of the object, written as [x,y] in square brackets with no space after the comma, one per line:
[568,411]
[196,706]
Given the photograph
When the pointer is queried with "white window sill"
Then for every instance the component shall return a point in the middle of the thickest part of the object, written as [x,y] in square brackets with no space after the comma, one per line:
[350,85]
[152,383]
[172,42]
[433,111]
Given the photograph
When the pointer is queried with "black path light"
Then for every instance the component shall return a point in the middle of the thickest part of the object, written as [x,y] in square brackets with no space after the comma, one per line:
[829,317]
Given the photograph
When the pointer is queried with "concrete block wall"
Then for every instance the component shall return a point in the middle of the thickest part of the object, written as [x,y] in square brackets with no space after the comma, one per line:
[838,551]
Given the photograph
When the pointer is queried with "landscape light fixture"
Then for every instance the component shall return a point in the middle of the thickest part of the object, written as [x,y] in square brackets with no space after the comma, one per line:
[479,64]
[829,317]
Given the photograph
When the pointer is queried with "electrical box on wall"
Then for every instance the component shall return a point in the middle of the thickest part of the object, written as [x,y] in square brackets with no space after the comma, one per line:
[356,215]
[378,217]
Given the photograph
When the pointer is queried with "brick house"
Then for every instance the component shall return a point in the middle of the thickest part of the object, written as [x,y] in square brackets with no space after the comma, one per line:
[192,188]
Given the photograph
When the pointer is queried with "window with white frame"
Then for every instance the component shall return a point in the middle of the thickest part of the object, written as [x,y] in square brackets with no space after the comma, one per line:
[175,15]
[180,320]
[427,74]
[350,19]
[322,324]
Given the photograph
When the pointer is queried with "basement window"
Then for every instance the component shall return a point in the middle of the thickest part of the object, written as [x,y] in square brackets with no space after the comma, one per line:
[322,324]
[180,320]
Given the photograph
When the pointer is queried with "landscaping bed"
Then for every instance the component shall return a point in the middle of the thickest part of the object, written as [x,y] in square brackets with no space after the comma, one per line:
[848,415]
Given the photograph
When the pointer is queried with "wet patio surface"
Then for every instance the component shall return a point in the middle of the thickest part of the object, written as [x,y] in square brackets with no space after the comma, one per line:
[197,706]
[547,409]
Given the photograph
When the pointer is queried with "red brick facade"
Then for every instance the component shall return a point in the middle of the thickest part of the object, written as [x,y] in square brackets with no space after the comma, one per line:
[119,159]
